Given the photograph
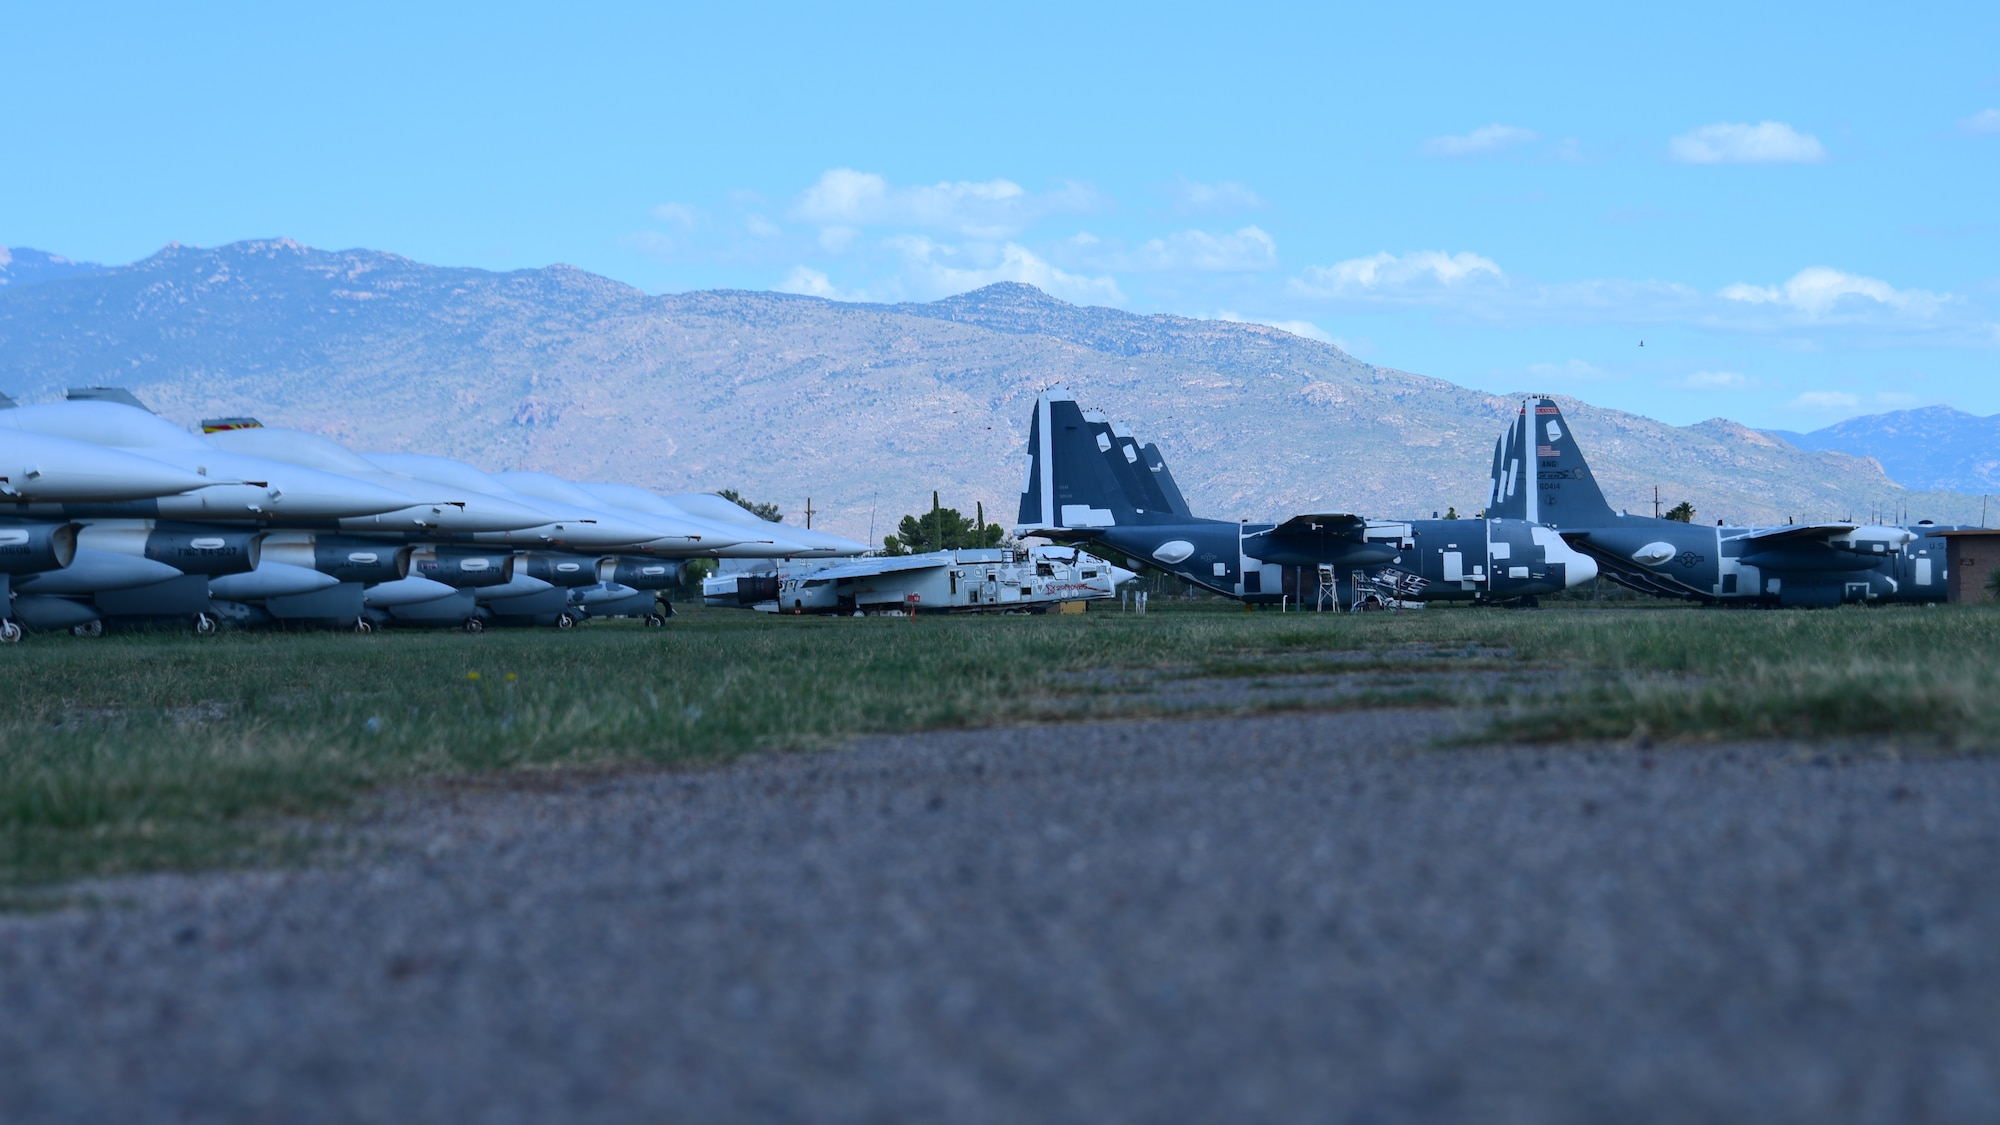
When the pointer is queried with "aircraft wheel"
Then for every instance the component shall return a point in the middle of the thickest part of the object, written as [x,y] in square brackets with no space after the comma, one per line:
[88,629]
[363,626]
[204,625]
[9,632]
[565,621]
[473,625]
[655,621]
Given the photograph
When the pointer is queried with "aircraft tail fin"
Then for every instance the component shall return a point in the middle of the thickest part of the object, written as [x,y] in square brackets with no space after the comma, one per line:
[1540,475]
[1157,465]
[1083,473]
[106,394]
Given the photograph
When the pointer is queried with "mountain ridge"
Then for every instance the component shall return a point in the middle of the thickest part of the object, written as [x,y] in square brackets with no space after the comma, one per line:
[865,408]
[1929,447]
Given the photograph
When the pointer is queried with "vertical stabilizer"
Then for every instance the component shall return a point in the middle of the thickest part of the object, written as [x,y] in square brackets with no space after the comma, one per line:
[1509,500]
[1560,490]
[1074,478]
[1157,466]
[106,394]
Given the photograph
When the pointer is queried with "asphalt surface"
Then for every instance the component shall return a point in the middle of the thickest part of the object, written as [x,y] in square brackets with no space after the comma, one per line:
[1275,919]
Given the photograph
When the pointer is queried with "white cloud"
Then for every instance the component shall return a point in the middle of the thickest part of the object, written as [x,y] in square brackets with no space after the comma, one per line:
[1818,291]
[1574,371]
[836,240]
[1189,196]
[1386,274]
[1985,123]
[810,282]
[991,209]
[652,244]
[679,214]
[1482,141]
[761,227]
[1712,381]
[937,269]
[1825,400]
[1767,142]
[1305,328]
[1246,250]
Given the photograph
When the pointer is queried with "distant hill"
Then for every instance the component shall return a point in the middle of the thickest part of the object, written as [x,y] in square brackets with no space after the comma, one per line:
[860,407]
[20,265]
[1936,447]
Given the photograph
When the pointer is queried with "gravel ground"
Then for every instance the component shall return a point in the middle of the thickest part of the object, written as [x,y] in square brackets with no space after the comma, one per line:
[1274,919]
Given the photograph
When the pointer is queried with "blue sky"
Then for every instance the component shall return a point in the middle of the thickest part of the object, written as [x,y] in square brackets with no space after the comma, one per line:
[1793,207]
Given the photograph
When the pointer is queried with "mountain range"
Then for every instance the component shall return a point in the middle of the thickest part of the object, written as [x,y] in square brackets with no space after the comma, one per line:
[1935,447]
[863,409]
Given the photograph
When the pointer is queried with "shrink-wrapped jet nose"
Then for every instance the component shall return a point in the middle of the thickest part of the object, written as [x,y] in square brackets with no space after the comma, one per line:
[598,532]
[58,470]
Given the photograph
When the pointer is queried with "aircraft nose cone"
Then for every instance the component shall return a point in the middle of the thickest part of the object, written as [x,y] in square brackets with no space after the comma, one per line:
[305,494]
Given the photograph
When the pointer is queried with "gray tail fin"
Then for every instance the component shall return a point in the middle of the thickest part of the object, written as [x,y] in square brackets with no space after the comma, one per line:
[1079,473]
[106,394]
[1157,466]
[1539,473]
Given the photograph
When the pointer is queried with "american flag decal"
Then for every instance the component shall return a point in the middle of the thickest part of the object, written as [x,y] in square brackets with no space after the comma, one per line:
[1545,451]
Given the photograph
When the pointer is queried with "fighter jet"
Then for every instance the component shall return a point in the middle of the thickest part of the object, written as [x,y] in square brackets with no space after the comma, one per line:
[1090,481]
[1821,564]
[253,488]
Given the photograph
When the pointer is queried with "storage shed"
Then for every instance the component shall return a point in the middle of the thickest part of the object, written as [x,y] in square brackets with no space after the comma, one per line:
[1975,555]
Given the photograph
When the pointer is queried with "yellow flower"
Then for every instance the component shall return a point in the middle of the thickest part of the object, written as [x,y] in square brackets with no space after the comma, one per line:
[472,675]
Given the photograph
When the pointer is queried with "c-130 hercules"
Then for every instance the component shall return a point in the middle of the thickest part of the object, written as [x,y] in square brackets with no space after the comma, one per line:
[1822,564]
[1091,482]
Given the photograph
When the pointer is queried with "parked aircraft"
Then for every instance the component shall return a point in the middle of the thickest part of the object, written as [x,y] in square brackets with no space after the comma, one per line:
[1822,564]
[987,580]
[1089,481]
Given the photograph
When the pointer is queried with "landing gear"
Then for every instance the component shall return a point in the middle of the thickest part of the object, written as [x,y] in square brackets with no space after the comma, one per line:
[474,625]
[88,629]
[655,621]
[363,626]
[204,625]
[565,621]
[10,633]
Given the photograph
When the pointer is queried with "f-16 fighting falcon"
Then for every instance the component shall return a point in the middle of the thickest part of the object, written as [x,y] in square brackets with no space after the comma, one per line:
[1822,564]
[113,514]
[1090,481]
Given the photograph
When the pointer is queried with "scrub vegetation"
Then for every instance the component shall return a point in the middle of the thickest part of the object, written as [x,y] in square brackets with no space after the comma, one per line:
[153,750]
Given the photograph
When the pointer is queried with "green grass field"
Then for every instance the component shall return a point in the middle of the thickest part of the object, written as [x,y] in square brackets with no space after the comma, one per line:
[145,751]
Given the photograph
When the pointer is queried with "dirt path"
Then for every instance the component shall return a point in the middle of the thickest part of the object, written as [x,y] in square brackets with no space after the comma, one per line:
[1291,918]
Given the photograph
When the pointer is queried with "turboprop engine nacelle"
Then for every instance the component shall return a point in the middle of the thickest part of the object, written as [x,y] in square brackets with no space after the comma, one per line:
[463,566]
[27,546]
[1872,539]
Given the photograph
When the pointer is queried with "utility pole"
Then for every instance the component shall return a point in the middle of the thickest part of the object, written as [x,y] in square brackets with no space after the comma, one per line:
[1656,501]
[937,520]
[809,513]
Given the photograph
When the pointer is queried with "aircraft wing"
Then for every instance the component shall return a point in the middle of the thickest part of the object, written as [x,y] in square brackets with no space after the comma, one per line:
[1860,538]
[869,568]
[1337,526]
[1797,533]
